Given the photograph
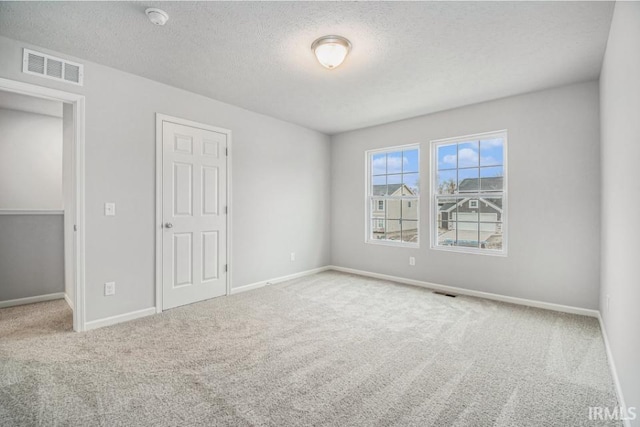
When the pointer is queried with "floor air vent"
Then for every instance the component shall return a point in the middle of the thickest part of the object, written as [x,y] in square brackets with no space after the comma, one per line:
[43,65]
[444,294]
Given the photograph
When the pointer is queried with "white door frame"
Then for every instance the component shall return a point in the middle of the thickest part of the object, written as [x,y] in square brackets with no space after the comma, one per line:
[79,309]
[160,118]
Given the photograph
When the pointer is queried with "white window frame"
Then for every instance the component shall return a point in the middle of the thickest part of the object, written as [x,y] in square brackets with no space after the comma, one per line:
[473,204]
[433,216]
[367,199]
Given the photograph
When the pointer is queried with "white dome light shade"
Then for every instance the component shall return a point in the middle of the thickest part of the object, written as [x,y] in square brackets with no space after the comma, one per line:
[331,50]
[157,16]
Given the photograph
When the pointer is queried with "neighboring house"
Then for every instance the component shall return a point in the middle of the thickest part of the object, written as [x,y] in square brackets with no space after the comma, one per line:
[400,215]
[472,221]
[485,184]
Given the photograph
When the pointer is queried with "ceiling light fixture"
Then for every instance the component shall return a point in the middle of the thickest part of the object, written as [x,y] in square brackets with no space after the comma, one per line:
[331,50]
[157,16]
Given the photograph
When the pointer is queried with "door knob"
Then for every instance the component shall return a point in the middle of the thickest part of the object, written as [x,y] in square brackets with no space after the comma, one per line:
[168,225]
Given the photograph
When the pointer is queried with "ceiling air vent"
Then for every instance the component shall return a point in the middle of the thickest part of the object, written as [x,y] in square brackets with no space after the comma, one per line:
[43,65]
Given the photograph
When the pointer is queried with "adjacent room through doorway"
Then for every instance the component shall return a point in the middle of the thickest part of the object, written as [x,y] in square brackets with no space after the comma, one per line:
[36,206]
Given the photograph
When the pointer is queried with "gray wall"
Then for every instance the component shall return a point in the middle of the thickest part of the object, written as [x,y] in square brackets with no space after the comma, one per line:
[554,198]
[620,118]
[30,161]
[31,256]
[281,187]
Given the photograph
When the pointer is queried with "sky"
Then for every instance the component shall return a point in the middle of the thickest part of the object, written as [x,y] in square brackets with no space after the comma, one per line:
[396,167]
[489,152]
[484,158]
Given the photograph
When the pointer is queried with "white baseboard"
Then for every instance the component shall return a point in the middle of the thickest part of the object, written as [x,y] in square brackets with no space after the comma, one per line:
[262,283]
[108,321]
[68,300]
[612,367]
[472,293]
[31,300]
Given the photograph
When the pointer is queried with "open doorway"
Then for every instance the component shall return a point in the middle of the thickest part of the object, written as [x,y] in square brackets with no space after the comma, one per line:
[41,205]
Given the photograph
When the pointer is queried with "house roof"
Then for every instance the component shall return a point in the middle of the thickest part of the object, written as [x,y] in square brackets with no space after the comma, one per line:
[494,203]
[389,189]
[486,184]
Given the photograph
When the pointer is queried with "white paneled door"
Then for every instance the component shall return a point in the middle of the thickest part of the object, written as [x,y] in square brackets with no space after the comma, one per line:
[194,226]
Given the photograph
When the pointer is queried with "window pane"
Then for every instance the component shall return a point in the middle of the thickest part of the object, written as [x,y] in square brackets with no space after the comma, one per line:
[378,207]
[394,229]
[468,180]
[491,178]
[468,154]
[379,164]
[394,185]
[491,152]
[411,183]
[467,234]
[410,209]
[447,182]
[466,214]
[447,155]
[411,161]
[446,234]
[410,231]
[394,208]
[492,233]
[446,210]
[379,185]
[394,162]
[491,209]
[378,229]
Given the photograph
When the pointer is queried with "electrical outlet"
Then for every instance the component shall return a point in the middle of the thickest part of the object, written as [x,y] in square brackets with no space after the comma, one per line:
[293,256]
[412,260]
[109,288]
[110,209]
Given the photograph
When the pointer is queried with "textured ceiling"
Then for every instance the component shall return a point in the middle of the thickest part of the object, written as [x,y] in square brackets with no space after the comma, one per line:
[408,58]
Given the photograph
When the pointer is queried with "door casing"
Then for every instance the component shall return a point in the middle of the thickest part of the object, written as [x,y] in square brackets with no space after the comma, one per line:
[160,118]
[78,185]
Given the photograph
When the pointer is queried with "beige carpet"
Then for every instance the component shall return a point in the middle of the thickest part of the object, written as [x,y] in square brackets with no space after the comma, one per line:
[330,349]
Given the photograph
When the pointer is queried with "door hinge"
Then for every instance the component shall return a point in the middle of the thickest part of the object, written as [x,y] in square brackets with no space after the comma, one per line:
[226,268]
[75,227]
[226,151]
[226,209]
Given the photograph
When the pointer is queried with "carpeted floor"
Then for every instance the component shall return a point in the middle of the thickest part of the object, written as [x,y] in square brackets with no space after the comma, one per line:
[330,349]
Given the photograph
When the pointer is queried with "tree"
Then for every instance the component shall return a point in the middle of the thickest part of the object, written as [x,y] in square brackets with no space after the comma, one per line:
[447,187]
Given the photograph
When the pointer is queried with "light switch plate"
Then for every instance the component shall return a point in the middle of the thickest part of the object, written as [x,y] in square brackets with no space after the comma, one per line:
[110,209]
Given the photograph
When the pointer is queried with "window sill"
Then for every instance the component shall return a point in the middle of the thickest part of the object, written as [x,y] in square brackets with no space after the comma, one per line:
[462,250]
[393,244]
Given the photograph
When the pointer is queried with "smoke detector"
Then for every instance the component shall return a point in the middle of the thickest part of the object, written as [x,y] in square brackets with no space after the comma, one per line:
[157,16]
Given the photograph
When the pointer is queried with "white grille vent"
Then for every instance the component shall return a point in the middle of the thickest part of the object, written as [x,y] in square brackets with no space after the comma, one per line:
[43,65]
